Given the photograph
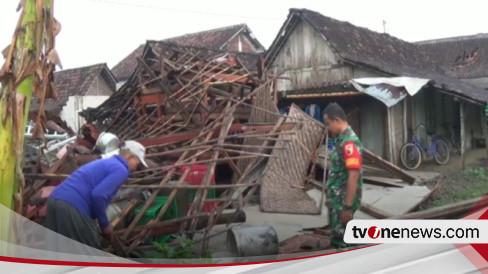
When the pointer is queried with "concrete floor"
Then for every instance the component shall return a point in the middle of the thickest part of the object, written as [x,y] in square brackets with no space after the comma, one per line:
[285,225]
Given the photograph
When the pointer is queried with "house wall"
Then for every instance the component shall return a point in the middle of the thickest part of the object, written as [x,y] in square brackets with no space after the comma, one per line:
[308,61]
[396,137]
[372,132]
[363,73]
[246,45]
[75,104]
[99,87]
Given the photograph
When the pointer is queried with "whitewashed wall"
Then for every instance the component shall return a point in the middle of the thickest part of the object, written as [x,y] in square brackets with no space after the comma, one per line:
[75,104]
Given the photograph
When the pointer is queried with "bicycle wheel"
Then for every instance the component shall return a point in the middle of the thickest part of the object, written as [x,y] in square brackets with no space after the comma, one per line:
[410,156]
[441,152]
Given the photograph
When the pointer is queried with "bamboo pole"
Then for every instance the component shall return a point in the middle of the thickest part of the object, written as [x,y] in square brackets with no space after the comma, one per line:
[212,186]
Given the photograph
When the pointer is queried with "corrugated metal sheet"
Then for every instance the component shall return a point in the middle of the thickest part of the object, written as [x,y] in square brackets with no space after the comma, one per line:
[390,91]
[279,191]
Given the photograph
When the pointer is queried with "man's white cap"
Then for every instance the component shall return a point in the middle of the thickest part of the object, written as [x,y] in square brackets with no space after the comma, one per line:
[137,149]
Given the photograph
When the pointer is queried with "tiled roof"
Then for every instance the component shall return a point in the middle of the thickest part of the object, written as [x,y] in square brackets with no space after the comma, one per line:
[462,57]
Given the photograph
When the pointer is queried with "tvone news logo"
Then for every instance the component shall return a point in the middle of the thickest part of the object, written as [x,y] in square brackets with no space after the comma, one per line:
[374,232]
[417,231]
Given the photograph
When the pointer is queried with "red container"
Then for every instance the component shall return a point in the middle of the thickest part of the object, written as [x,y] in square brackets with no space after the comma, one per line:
[207,206]
[196,175]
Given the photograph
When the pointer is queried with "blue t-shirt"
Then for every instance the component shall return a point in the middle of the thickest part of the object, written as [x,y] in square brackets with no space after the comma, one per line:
[91,188]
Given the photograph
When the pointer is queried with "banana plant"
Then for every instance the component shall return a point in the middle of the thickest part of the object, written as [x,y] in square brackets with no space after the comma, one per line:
[27,72]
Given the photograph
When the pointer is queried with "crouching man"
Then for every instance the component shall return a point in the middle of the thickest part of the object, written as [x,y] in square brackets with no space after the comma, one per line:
[84,196]
[344,185]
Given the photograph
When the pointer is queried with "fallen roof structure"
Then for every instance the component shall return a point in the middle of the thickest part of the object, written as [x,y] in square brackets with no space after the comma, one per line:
[191,107]
[223,39]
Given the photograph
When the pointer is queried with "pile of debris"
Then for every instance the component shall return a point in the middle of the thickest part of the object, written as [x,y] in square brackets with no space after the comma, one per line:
[196,111]
[215,139]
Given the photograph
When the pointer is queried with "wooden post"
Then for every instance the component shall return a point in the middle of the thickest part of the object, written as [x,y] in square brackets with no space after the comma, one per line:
[484,128]
[405,127]
[391,138]
[463,133]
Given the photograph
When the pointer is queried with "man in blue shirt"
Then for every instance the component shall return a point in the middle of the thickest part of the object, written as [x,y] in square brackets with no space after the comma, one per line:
[84,196]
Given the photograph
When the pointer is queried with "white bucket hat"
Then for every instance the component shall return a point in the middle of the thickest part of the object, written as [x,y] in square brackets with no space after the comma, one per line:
[137,149]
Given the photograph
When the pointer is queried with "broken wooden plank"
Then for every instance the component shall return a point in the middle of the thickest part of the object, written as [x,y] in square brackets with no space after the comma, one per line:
[374,212]
[389,166]
[126,211]
[447,211]
[304,243]
[180,137]
[382,181]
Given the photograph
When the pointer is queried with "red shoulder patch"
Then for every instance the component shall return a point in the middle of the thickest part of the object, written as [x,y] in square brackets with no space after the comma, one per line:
[352,157]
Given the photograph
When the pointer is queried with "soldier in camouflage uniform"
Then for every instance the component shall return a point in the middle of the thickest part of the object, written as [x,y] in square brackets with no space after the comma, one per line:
[344,185]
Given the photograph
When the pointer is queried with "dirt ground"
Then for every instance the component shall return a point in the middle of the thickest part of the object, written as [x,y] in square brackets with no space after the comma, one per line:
[474,158]
[459,184]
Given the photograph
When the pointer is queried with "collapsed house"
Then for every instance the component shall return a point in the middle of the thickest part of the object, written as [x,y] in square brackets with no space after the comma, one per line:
[387,86]
[196,110]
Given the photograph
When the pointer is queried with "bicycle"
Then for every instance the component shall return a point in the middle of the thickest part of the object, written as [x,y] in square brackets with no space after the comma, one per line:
[450,137]
[413,153]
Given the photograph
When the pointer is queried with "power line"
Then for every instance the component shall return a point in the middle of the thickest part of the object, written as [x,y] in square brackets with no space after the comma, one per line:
[184,11]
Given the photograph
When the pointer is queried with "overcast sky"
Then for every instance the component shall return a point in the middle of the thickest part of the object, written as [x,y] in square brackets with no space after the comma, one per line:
[105,31]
